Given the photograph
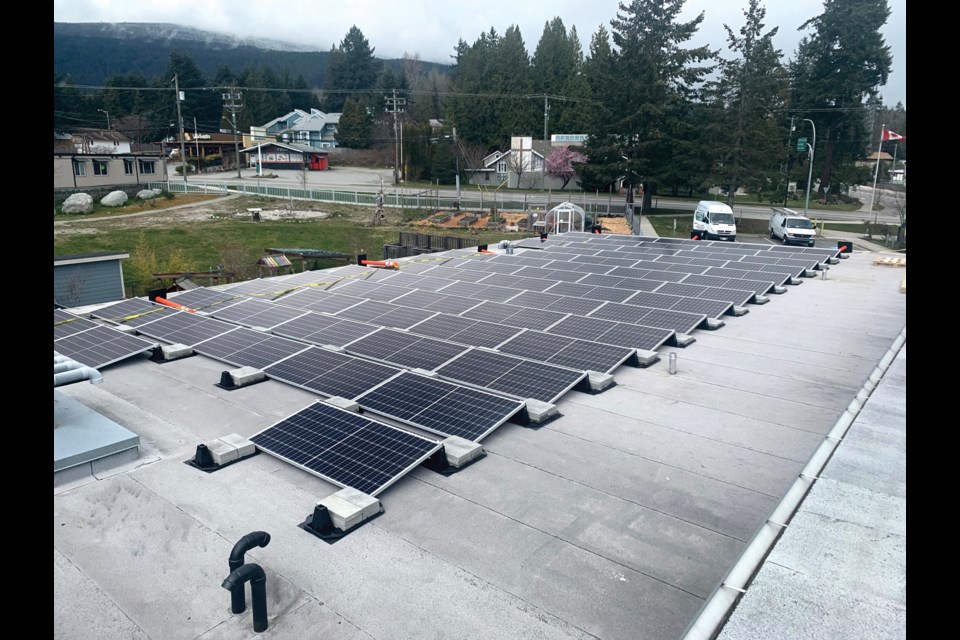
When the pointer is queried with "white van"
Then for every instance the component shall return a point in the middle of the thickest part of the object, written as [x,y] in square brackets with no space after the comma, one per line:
[790,227]
[715,220]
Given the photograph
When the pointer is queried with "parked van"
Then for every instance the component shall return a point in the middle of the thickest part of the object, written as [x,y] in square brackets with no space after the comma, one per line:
[791,227]
[715,220]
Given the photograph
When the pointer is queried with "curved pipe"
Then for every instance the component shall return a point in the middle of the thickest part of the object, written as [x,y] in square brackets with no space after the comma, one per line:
[246,573]
[244,544]
[68,371]
[258,591]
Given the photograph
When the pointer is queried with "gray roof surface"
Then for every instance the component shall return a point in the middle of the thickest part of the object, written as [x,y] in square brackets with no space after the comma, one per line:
[619,519]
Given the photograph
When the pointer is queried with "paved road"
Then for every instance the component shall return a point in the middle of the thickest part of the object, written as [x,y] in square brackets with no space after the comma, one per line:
[373,180]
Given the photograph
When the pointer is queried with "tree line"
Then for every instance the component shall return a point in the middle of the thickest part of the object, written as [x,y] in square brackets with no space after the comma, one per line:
[657,111]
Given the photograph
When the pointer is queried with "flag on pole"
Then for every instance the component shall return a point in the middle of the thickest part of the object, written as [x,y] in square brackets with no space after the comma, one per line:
[890,135]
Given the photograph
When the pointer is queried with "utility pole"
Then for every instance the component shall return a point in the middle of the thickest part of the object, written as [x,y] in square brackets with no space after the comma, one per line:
[786,192]
[231,101]
[196,140]
[456,157]
[108,117]
[812,148]
[395,105]
[183,152]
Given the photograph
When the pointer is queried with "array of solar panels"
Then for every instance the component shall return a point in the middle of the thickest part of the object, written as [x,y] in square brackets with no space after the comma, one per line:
[453,344]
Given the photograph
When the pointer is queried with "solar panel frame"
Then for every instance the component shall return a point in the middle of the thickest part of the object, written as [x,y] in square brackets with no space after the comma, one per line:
[406,349]
[100,346]
[440,407]
[245,347]
[320,329]
[185,328]
[251,312]
[505,374]
[348,449]
[66,324]
[566,351]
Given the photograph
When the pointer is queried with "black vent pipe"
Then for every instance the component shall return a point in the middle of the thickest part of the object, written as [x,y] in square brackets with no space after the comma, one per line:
[244,544]
[258,591]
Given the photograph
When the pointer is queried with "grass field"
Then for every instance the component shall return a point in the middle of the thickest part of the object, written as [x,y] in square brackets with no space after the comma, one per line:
[172,242]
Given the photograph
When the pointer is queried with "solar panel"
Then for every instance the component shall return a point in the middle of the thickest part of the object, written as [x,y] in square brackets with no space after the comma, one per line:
[264,288]
[475,333]
[566,351]
[183,327]
[203,298]
[313,299]
[777,279]
[534,318]
[345,448]
[510,375]
[728,295]
[491,312]
[435,301]
[676,320]
[399,317]
[256,313]
[329,373]
[119,312]
[66,324]
[679,321]
[405,349]
[757,286]
[320,329]
[248,348]
[100,346]
[441,407]
[711,308]
[611,294]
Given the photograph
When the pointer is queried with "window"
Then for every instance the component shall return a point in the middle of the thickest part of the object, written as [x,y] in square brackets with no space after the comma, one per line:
[128,167]
[502,167]
[78,168]
[99,168]
[148,166]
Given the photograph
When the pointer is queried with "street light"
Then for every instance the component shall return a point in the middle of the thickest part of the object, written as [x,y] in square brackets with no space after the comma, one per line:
[108,117]
[810,170]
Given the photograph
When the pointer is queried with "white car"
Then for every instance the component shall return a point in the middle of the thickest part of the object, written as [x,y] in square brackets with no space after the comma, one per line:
[791,227]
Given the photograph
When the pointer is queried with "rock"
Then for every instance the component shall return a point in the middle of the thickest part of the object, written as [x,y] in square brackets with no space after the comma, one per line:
[147,194]
[78,203]
[114,199]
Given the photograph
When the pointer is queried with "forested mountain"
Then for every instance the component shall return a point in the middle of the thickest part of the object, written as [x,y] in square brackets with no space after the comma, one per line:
[89,53]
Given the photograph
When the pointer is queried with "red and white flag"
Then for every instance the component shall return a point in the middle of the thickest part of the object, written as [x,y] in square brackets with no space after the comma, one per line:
[890,135]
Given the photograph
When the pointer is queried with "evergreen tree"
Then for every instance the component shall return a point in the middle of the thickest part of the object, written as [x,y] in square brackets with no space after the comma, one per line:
[745,128]
[355,125]
[556,61]
[657,81]
[600,76]
[351,70]
[837,69]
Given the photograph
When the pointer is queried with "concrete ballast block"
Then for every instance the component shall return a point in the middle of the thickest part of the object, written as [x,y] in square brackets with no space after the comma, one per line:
[343,403]
[349,507]
[460,451]
[246,375]
[539,411]
[243,446]
[175,351]
[222,452]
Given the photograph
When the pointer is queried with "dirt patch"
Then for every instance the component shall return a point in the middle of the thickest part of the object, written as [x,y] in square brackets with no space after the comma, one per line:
[459,220]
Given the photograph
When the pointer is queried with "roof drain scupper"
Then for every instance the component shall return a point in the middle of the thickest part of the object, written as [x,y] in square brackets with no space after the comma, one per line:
[718,606]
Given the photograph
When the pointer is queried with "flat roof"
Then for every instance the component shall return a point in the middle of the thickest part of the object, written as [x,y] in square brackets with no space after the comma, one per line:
[619,519]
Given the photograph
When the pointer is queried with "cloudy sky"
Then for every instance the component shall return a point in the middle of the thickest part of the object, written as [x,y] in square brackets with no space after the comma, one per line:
[432,29]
